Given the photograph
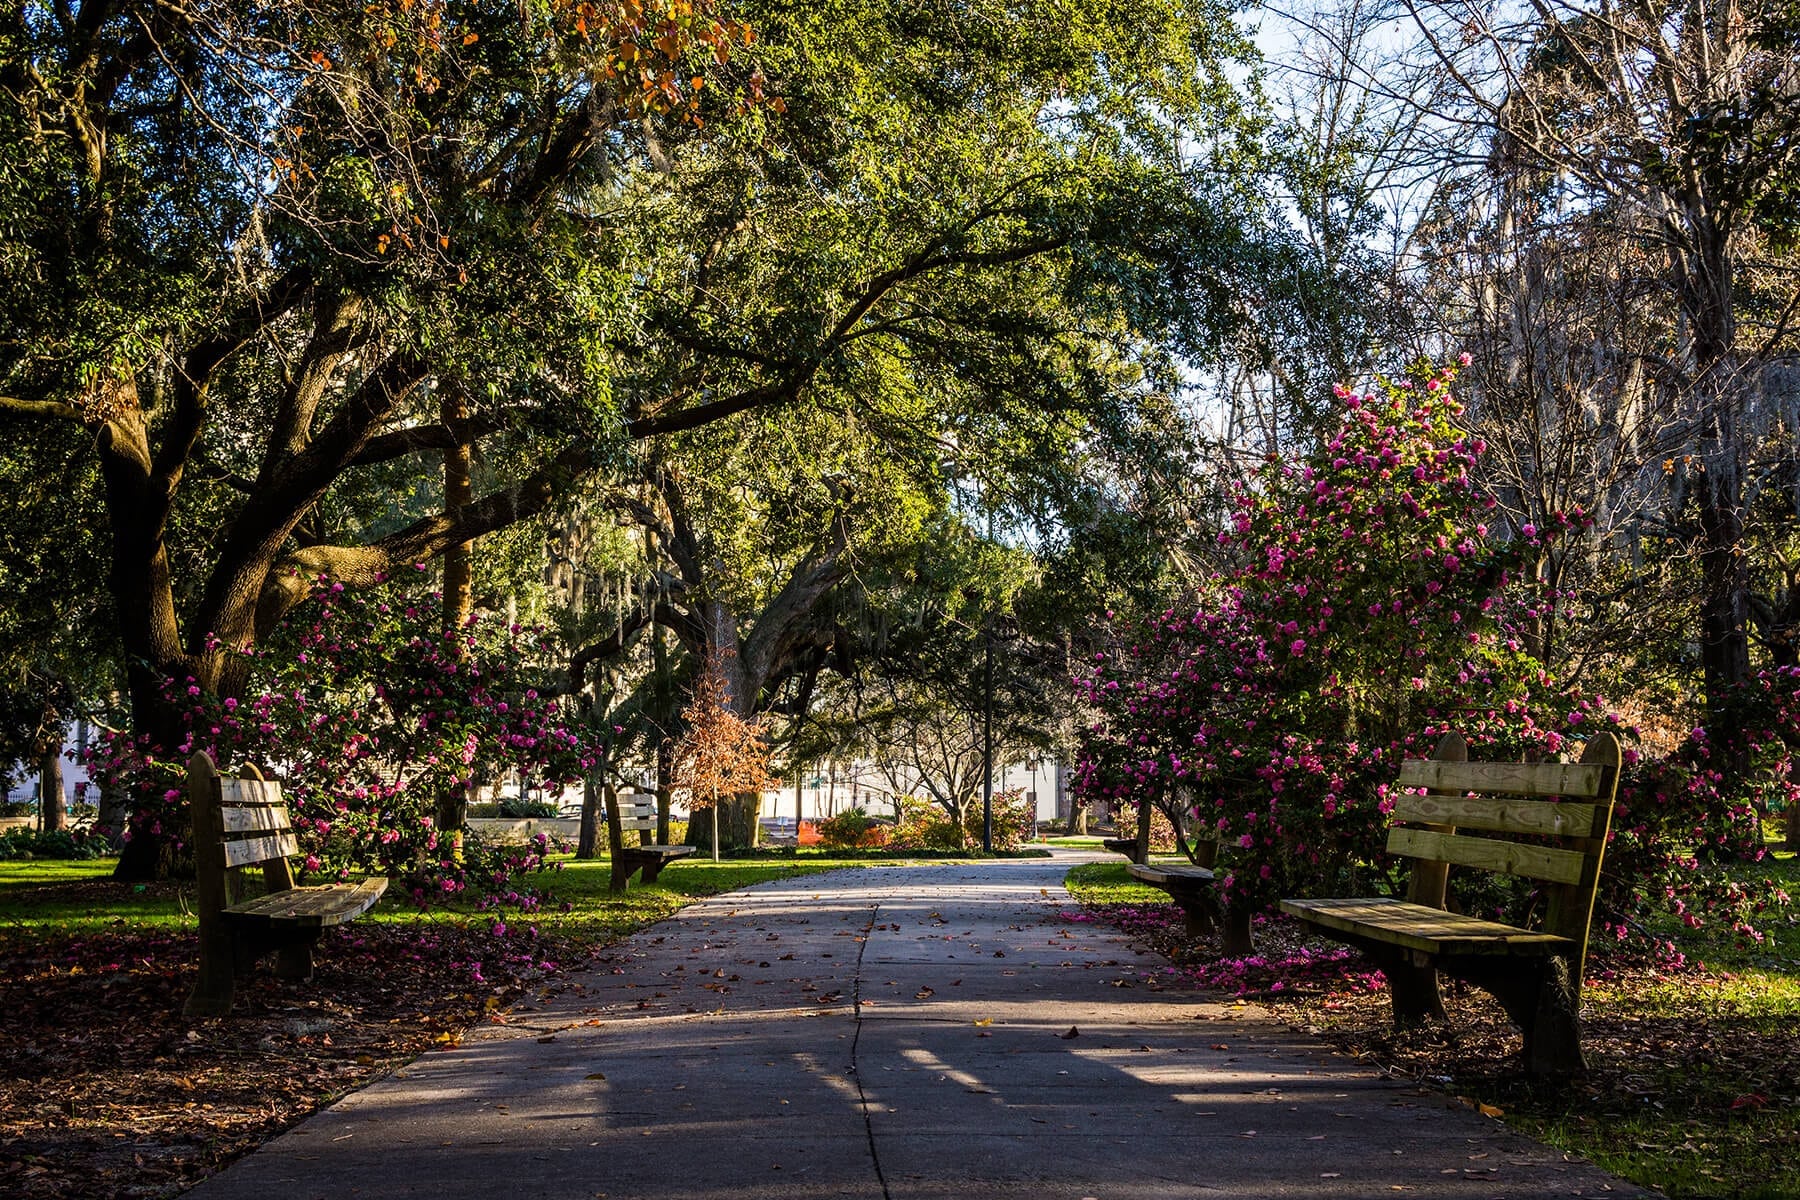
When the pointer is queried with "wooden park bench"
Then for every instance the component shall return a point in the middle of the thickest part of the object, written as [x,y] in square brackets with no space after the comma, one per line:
[1535,973]
[1190,887]
[1126,846]
[637,811]
[242,823]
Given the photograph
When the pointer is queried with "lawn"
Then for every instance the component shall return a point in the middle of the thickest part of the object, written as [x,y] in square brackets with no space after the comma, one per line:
[107,1091]
[1694,1080]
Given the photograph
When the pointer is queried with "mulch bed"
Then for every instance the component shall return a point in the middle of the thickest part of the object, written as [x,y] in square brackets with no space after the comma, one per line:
[106,1090]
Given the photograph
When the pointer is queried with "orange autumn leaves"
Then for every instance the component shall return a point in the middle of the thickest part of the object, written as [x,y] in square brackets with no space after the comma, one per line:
[651,50]
[722,754]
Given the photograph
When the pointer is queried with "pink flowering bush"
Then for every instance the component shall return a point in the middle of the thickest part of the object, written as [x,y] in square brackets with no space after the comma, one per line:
[1683,819]
[367,711]
[1363,614]
[1367,608]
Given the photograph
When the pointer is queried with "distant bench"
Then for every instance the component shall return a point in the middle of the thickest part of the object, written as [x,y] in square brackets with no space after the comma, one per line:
[240,823]
[637,811]
[1535,974]
[1189,887]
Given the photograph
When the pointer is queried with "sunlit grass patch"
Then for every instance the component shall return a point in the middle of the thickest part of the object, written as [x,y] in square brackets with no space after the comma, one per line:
[1109,883]
[45,897]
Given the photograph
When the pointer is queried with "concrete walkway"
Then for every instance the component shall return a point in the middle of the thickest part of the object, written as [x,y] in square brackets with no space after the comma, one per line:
[907,1032]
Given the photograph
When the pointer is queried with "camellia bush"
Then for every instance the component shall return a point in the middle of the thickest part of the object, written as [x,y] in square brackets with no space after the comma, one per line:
[1363,614]
[1367,609]
[367,712]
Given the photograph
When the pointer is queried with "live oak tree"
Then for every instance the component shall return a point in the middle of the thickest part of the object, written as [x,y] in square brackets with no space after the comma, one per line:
[973,256]
[276,259]
[248,245]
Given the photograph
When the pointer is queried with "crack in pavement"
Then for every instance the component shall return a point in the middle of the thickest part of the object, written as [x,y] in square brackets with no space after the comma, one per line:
[856,1007]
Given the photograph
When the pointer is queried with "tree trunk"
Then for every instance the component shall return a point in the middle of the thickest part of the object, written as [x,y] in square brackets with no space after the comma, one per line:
[1724,595]
[665,789]
[53,805]
[1078,818]
[587,841]
[459,591]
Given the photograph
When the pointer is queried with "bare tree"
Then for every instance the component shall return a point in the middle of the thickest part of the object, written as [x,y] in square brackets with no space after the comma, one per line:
[1674,126]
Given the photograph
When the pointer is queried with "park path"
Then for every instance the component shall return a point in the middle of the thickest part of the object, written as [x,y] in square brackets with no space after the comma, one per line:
[895,1033]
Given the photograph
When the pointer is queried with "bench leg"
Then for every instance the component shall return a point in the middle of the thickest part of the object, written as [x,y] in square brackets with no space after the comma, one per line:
[622,871]
[1540,998]
[216,987]
[1414,991]
[652,869]
[1234,935]
[1553,1040]
[293,960]
[1196,918]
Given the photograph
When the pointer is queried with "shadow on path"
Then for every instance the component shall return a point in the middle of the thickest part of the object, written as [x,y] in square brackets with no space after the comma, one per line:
[889,1033]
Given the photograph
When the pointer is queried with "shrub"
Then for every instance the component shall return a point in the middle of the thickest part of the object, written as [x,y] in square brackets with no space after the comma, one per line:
[1162,830]
[853,827]
[518,806]
[925,825]
[1362,611]
[367,712]
[26,843]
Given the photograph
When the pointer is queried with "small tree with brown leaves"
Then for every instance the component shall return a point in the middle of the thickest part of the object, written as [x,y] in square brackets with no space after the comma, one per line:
[722,754]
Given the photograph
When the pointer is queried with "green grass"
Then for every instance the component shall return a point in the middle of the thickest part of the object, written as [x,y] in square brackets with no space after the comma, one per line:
[54,896]
[1717,946]
[32,872]
[1753,1163]
[44,897]
[1711,1107]
[1075,841]
[1108,883]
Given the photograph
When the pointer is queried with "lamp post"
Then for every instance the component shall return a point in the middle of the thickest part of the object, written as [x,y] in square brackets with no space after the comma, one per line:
[987,738]
[1004,632]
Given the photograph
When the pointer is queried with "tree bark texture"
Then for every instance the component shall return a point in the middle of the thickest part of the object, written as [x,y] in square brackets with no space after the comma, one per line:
[53,804]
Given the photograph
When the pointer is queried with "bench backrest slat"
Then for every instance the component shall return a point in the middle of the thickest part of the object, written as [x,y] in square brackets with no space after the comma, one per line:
[254,822]
[1565,842]
[260,818]
[1580,780]
[1499,814]
[1489,854]
[245,852]
[637,810]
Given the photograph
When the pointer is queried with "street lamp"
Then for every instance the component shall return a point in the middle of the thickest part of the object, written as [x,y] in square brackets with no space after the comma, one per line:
[1007,633]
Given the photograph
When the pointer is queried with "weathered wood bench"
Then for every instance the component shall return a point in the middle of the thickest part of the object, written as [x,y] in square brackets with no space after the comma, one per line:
[637,811]
[1535,973]
[242,823]
[1188,886]
[1126,846]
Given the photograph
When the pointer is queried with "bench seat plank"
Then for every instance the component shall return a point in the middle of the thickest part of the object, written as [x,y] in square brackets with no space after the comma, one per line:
[1163,875]
[311,907]
[663,852]
[1424,929]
